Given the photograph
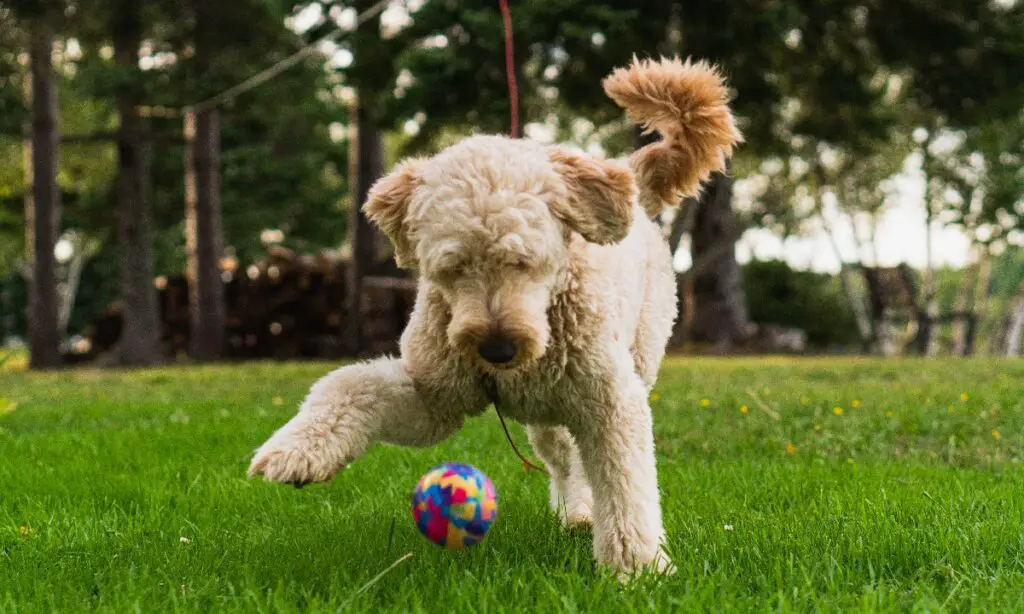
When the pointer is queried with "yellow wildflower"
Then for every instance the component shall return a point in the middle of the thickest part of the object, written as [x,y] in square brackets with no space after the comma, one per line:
[655,397]
[995,434]
[855,403]
[888,414]
[744,409]
[704,402]
[790,448]
[837,410]
[849,461]
[964,397]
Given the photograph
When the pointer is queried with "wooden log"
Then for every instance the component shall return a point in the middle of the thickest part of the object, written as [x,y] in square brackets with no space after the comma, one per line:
[401,284]
[288,308]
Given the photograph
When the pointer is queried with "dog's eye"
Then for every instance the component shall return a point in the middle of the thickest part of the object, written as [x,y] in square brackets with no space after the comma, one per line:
[449,272]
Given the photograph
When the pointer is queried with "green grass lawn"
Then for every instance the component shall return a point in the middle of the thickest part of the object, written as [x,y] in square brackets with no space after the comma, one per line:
[844,485]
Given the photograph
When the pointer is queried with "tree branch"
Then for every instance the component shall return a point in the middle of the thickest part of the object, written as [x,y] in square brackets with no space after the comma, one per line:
[93,137]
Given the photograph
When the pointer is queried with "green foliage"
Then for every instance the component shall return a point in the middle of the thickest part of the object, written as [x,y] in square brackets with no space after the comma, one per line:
[978,183]
[851,77]
[280,168]
[565,47]
[908,499]
[13,298]
[746,41]
[1008,273]
[12,99]
[85,171]
[12,232]
[814,302]
[976,76]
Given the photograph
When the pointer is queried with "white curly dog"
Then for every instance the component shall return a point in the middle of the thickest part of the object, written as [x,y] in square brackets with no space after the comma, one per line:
[545,286]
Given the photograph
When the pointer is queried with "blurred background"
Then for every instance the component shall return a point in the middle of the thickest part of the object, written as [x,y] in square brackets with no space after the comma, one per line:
[178,179]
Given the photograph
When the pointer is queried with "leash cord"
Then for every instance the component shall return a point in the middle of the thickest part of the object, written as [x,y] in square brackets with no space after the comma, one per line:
[526,462]
[491,388]
[513,99]
[510,69]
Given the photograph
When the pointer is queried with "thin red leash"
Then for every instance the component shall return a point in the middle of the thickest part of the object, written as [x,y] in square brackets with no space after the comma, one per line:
[526,462]
[513,98]
[491,390]
[510,69]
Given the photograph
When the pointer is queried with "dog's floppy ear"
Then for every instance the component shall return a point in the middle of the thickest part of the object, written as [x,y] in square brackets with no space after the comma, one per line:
[388,203]
[598,202]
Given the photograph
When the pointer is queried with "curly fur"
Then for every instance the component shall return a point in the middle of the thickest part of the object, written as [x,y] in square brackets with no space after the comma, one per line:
[549,251]
[688,104]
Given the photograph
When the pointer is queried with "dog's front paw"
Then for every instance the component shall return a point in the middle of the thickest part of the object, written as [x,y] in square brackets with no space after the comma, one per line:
[578,521]
[577,517]
[627,563]
[661,564]
[295,462]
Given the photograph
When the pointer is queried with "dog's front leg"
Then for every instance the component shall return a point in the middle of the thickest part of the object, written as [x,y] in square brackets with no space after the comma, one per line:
[616,444]
[346,412]
[571,498]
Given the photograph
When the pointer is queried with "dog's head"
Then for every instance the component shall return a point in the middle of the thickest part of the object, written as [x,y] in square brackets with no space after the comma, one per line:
[488,223]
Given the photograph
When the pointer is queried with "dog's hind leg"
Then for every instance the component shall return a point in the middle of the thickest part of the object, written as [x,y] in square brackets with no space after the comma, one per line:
[657,313]
[570,492]
[347,411]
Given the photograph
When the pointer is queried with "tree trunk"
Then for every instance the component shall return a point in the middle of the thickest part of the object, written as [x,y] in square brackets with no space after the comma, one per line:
[204,236]
[925,342]
[976,281]
[981,301]
[961,304]
[682,224]
[365,168]
[42,206]
[140,331]
[1016,330]
[872,329]
[719,302]
[7,318]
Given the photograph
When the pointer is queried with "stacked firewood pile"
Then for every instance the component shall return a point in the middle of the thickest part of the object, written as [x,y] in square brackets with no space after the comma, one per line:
[285,307]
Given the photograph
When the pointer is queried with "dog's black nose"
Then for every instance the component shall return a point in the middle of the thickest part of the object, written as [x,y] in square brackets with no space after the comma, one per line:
[497,351]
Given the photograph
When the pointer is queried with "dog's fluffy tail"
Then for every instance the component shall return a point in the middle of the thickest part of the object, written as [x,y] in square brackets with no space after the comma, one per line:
[687,103]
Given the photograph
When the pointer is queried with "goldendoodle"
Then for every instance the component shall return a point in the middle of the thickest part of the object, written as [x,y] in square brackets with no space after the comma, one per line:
[545,287]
